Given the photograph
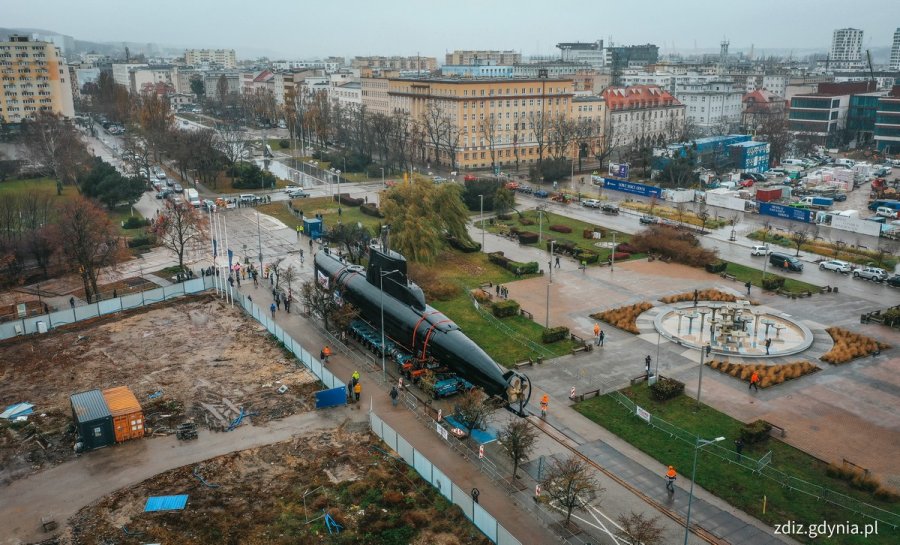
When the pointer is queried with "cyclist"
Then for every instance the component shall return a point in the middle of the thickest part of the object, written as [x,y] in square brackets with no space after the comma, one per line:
[670,480]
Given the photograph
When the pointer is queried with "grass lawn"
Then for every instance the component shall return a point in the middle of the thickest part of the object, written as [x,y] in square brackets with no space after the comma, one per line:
[576,236]
[47,185]
[829,249]
[320,205]
[454,274]
[671,213]
[744,273]
[729,481]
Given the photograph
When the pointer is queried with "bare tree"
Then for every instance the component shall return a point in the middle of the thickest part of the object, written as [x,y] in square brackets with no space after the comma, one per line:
[703,214]
[473,408]
[234,143]
[680,210]
[155,121]
[488,128]
[538,124]
[320,299]
[517,440]
[54,148]
[289,275]
[435,124]
[802,235]
[89,241]
[639,529]
[570,482]
[180,227]
[736,217]
[886,248]
[562,133]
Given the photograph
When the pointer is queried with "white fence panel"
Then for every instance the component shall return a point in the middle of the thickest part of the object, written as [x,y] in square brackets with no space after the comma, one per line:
[506,538]
[485,522]
[110,306]
[389,436]
[8,329]
[131,300]
[86,312]
[422,465]
[463,500]
[154,296]
[405,450]
[441,482]
[194,286]
[376,424]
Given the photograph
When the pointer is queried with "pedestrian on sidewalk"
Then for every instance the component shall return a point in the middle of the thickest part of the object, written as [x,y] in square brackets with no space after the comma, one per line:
[250,298]
[670,480]
[357,390]
[298,232]
[310,244]
[647,361]
[768,344]
[754,381]
[115,294]
[497,290]
[72,301]
[394,395]
[326,353]
[355,377]
[278,301]
[287,305]
[272,309]
[231,280]
[747,285]
[255,281]
[237,277]
[597,333]
[601,337]
[696,296]
[545,404]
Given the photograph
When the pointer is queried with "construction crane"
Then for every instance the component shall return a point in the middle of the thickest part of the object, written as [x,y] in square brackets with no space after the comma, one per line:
[871,71]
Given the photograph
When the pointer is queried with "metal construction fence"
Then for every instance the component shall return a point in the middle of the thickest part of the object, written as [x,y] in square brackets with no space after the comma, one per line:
[764,468]
[479,516]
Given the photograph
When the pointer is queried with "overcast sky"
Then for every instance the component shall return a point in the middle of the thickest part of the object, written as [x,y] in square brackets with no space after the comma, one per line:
[304,28]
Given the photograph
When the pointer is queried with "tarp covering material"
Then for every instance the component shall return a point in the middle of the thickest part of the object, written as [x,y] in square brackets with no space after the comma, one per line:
[166,503]
[19,409]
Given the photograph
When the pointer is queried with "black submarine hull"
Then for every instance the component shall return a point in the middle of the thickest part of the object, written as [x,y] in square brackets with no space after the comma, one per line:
[417,327]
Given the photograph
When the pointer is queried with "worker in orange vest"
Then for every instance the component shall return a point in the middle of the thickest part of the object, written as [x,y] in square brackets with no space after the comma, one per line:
[754,381]
[357,390]
[597,333]
[545,403]
[670,480]
[326,353]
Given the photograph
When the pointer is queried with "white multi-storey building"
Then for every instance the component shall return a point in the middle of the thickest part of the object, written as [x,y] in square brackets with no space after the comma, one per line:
[223,58]
[895,51]
[846,48]
[714,106]
[35,78]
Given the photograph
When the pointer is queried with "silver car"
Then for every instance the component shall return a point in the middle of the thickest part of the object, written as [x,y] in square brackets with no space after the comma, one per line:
[836,265]
[870,273]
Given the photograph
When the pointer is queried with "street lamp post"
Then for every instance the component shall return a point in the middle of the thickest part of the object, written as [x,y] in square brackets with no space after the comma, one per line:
[547,314]
[703,350]
[481,201]
[381,275]
[382,177]
[700,443]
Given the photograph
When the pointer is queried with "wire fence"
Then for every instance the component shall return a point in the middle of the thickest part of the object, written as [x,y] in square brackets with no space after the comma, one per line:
[512,334]
[764,468]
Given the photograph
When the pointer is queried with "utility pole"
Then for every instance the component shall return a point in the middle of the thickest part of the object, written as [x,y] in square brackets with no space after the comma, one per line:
[547,315]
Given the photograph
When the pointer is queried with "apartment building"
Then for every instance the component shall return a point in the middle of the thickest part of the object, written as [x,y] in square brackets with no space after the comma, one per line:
[121,72]
[221,58]
[895,52]
[482,56]
[822,116]
[422,64]
[35,78]
[493,122]
[846,48]
[760,107]
[152,77]
[887,123]
[642,115]
[713,105]
[374,95]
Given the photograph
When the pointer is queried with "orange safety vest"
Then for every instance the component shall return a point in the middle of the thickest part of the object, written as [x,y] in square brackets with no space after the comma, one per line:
[545,401]
[596,329]
[670,474]
[754,378]
[326,351]
[358,388]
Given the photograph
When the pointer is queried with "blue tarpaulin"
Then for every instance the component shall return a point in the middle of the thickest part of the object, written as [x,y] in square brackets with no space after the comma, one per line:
[483,437]
[335,397]
[166,503]
[19,409]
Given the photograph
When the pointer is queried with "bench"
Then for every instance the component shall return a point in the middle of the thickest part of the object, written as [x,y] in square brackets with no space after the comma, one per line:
[638,379]
[776,431]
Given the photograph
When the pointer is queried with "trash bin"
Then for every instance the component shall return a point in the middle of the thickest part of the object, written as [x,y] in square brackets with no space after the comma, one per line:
[41,326]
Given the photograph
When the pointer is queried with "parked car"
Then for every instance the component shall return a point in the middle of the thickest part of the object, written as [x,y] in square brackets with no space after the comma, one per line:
[893,281]
[247,197]
[470,178]
[839,197]
[298,194]
[541,194]
[289,188]
[178,188]
[590,203]
[208,205]
[649,220]
[609,208]
[760,250]
[747,182]
[785,261]
[836,265]
[439,179]
[886,212]
[755,176]
[870,273]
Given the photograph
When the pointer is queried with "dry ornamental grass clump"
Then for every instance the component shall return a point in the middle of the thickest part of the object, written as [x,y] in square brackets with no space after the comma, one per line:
[624,318]
[769,375]
[849,346]
[702,295]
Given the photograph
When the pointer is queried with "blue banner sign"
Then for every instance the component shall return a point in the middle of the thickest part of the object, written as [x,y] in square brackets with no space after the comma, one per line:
[785,212]
[335,397]
[632,187]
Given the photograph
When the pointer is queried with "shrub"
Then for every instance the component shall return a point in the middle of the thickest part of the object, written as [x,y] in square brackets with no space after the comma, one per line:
[588,256]
[554,334]
[525,268]
[138,242]
[588,234]
[627,248]
[507,307]
[504,217]
[284,144]
[497,258]
[773,283]
[561,228]
[849,345]
[666,388]
[347,200]
[702,295]
[465,246]
[440,290]
[527,237]
[624,318]
[564,247]
[755,432]
[370,209]
[526,221]
[679,246]
[769,374]
[620,256]
[133,222]
[716,267]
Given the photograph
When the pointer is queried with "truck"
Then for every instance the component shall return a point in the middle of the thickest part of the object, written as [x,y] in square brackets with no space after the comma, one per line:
[192,197]
[768,194]
[819,203]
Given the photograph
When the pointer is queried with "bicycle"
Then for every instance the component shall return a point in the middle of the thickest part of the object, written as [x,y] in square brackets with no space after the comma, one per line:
[670,486]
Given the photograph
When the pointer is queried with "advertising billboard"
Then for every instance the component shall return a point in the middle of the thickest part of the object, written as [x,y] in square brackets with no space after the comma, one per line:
[632,187]
[785,212]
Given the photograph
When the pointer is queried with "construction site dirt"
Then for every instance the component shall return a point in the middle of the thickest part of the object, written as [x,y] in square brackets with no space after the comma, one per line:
[337,486]
[189,360]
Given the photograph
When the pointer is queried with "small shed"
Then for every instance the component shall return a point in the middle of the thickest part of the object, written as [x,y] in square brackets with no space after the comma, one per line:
[93,422]
[313,227]
[127,415]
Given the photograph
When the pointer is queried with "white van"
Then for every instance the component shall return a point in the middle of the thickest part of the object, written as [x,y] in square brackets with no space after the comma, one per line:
[848,163]
[886,212]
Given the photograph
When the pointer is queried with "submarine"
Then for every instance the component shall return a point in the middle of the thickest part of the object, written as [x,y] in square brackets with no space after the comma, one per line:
[412,324]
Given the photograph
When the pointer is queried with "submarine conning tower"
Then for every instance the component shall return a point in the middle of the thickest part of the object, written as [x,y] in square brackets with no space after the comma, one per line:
[396,283]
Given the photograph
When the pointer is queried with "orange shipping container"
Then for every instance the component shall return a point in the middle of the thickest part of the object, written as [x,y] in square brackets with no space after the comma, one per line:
[128,417]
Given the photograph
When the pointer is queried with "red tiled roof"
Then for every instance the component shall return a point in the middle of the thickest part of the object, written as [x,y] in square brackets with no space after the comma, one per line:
[638,96]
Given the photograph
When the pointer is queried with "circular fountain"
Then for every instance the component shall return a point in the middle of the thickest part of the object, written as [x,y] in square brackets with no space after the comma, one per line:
[733,329]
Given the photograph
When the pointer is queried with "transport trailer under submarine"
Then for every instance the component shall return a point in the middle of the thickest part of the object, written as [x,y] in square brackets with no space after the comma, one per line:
[419,328]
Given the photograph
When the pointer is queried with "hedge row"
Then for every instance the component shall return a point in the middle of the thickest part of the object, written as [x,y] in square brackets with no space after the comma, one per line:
[464,246]
[755,432]
[507,307]
[561,228]
[370,209]
[347,200]
[773,283]
[554,334]
[498,258]
[527,237]
[666,388]
[717,267]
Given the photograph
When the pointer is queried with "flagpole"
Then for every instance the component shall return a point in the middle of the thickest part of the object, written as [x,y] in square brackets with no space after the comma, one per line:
[228,256]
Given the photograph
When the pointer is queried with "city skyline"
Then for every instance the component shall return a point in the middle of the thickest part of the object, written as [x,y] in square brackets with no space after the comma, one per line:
[407,28]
